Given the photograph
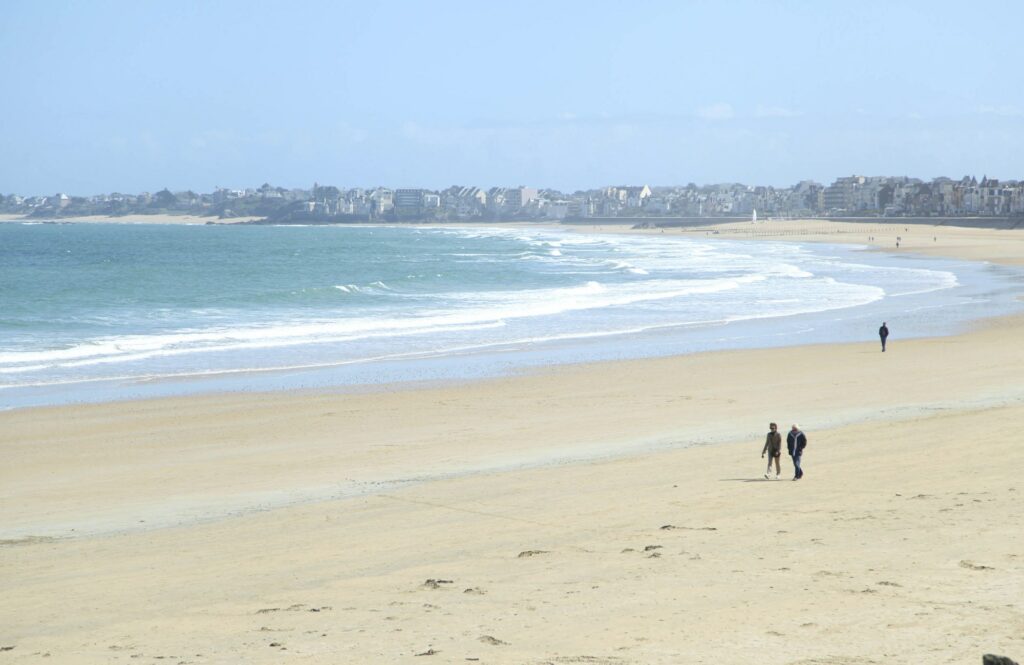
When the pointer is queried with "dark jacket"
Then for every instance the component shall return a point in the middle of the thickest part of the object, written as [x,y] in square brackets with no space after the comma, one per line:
[796,442]
[772,444]
[883,332]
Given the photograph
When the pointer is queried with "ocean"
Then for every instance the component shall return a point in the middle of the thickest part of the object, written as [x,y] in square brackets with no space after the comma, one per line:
[103,312]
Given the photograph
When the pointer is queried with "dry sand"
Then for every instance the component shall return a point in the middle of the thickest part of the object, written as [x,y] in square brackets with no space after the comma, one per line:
[134,531]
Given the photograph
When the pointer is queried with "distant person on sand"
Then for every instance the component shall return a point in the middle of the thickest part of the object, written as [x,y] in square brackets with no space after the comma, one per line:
[773,448]
[883,334]
[796,442]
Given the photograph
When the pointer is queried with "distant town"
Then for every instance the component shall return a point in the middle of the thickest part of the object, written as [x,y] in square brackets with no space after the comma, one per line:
[853,196]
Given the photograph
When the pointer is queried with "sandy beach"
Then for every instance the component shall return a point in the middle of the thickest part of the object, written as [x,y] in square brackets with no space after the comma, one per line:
[610,513]
[1000,246]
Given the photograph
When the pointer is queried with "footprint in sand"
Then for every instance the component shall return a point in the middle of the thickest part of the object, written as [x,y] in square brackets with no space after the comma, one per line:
[297,607]
[435,584]
[673,527]
[528,553]
[493,641]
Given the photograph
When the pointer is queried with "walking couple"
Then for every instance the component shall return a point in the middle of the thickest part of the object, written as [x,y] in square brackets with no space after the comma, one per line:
[796,441]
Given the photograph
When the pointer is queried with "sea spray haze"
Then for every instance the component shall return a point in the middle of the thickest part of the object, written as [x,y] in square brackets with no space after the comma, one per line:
[104,311]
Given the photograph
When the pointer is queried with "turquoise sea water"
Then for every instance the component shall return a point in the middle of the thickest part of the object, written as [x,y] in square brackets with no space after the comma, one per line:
[96,312]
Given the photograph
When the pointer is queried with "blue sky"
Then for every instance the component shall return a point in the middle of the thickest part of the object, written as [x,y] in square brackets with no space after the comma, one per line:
[132,96]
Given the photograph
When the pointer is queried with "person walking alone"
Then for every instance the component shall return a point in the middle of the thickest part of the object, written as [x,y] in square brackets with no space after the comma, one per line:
[883,334]
[796,442]
[773,447]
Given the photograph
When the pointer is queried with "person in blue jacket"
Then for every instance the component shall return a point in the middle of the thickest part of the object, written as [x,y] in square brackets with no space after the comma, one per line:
[796,441]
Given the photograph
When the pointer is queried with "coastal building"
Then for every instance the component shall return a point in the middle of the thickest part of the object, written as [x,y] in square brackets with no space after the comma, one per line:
[657,205]
[383,200]
[556,209]
[408,203]
[635,196]
[852,195]
[841,195]
[866,196]
[942,195]
[519,197]
[1015,199]
[495,200]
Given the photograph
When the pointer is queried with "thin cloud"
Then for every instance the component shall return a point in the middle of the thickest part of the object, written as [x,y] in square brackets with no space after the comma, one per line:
[775,112]
[719,111]
[1005,110]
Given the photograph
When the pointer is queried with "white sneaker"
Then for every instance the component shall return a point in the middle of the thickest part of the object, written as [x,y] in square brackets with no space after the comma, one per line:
[766,476]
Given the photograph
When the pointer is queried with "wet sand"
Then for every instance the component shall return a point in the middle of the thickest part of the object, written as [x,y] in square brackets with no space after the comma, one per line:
[1000,246]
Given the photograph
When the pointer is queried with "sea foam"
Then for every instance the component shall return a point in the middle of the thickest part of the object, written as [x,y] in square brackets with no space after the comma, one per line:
[104,303]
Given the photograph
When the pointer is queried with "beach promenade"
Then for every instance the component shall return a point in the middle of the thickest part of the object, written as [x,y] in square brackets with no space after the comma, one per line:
[610,513]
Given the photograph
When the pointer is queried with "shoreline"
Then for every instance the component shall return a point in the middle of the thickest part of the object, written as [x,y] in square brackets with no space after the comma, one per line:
[902,540]
[910,225]
[993,245]
[128,220]
[501,358]
[972,243]
[654,432]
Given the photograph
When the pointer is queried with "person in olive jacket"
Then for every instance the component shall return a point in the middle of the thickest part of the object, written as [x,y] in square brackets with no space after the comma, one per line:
[796,441]
[773,448]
